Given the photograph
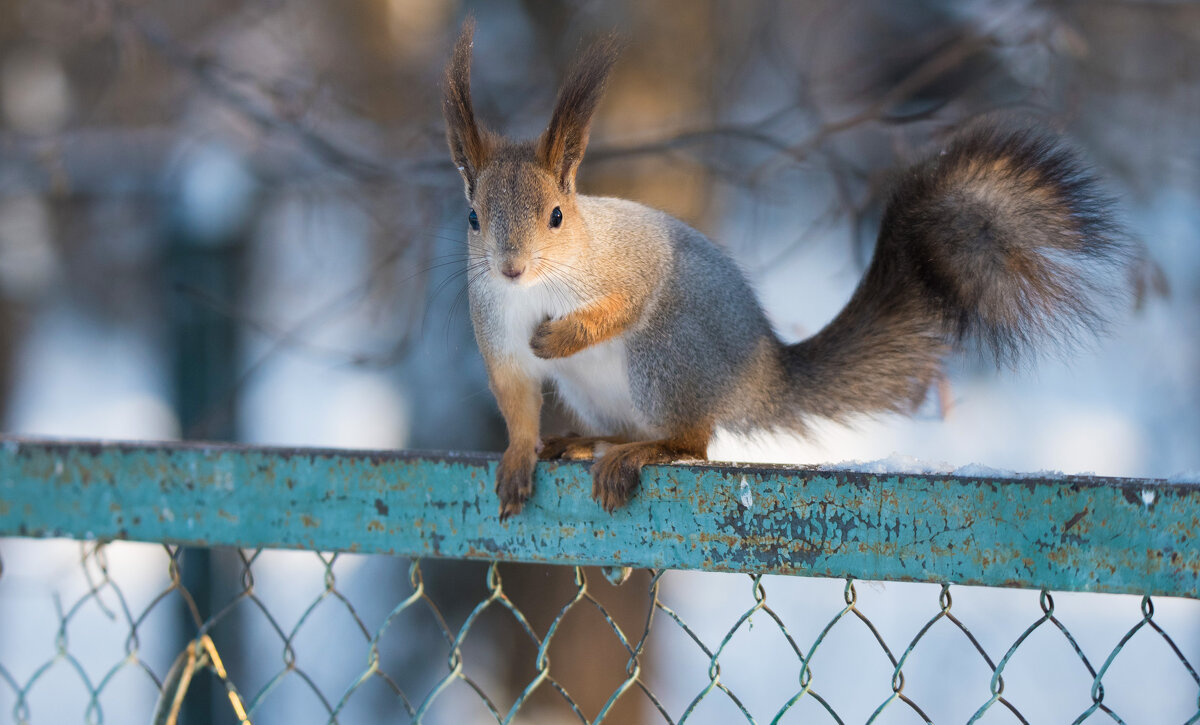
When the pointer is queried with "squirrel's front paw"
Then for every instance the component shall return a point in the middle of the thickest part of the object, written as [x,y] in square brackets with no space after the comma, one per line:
[514,480]
[555,338]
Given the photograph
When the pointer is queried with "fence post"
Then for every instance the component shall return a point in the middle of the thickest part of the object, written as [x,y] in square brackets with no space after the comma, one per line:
[206,232]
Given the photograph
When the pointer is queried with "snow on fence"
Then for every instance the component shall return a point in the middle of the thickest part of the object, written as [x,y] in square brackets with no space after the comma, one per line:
[353,629]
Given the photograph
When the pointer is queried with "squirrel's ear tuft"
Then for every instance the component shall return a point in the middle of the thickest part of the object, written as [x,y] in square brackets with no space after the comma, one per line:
[561,147]
[470,143]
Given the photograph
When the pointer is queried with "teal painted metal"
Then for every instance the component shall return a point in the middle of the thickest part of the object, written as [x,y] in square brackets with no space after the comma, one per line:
[1077,533]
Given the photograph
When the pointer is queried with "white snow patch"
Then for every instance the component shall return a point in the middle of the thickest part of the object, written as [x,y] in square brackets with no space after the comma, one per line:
[979,470]
[895,463]
[901,463]
[1148,496]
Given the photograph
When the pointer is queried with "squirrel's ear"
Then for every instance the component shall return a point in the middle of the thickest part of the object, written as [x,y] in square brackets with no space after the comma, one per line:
[561,147]
[470,143]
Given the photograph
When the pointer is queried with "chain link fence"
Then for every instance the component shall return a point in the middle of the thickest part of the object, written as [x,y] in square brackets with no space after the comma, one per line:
[108,633]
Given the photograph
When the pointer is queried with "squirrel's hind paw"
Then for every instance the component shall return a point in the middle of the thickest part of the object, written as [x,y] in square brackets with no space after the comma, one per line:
[618,472]
[616,475]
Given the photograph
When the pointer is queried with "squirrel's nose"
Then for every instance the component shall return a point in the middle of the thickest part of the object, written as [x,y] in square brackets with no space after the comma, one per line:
[512,271]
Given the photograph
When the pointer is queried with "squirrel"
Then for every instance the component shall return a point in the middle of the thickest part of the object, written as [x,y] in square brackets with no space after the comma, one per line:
[653,338]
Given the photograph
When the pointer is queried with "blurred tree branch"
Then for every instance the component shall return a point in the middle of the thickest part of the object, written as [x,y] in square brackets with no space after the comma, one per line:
[353,152]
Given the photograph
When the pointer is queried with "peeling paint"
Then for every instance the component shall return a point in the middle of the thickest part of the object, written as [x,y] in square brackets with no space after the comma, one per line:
[747,497]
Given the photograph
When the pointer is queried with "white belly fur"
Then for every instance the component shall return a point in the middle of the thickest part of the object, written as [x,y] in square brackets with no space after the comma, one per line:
[593,383]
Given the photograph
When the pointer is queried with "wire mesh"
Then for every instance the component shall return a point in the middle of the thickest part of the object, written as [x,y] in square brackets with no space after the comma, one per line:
[103,633]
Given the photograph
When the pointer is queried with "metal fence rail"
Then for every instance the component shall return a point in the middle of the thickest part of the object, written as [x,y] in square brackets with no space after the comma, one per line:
[1084,534]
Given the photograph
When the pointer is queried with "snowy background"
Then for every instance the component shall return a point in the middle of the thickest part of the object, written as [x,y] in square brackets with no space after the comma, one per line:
[278,169]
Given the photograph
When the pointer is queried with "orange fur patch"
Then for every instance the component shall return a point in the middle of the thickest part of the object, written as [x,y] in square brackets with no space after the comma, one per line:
[520,399]
[587,326]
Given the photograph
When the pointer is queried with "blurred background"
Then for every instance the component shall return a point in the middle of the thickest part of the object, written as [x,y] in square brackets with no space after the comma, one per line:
[238,220]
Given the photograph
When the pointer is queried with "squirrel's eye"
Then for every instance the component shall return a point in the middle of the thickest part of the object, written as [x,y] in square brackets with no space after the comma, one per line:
[474,219]
[556,218]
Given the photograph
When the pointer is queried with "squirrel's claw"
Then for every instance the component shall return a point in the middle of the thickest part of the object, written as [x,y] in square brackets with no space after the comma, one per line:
[514,481]
[509,509]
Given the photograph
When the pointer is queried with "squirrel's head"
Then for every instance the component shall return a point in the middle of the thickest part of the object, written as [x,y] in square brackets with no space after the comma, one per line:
[523,217]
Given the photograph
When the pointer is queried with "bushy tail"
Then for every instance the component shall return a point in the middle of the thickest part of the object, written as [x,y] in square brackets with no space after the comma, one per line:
[1003,238]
